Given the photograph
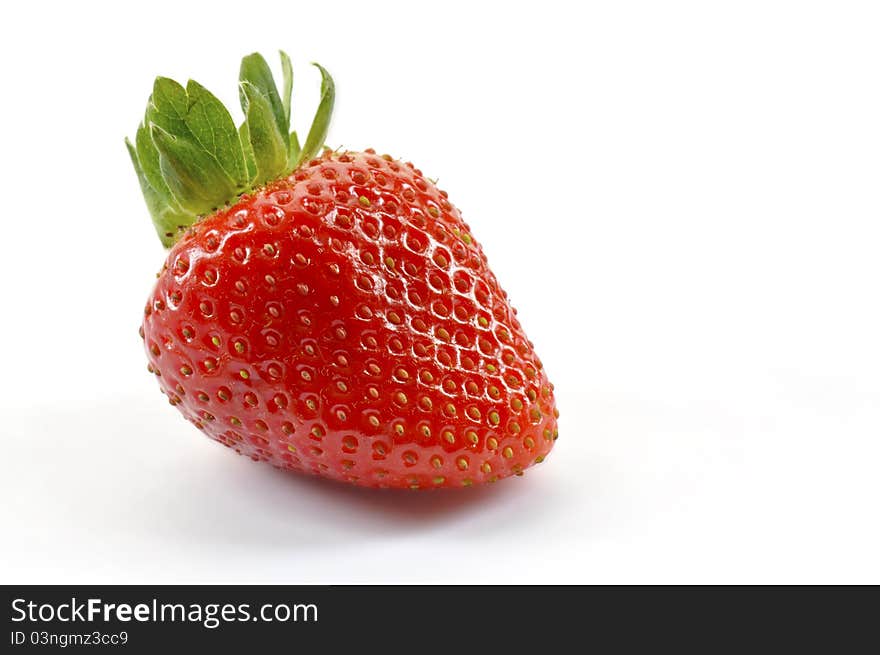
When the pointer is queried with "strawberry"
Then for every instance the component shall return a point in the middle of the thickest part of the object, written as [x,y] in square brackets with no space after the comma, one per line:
[327,312]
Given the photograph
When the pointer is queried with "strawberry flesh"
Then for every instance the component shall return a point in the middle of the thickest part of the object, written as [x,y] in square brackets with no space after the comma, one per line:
[344,322]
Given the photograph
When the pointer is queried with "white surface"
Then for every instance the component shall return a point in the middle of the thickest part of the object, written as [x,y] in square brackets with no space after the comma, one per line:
[682,201]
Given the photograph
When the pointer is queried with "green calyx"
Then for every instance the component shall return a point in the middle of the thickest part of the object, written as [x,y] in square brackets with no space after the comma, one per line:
[191,160]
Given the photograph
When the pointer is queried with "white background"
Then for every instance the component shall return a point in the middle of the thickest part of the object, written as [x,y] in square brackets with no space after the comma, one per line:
[682,199]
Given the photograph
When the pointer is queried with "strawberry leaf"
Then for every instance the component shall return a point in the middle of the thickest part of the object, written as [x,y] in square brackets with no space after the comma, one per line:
[167,107]
[148,157]
[255,71]
[191,173]
[166,218]
[213,128]
[268,143]
[287,93]
[250,161]
[321,123]
[294,148]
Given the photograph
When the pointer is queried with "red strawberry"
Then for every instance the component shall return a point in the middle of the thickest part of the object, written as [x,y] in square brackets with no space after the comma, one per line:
[338,319]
